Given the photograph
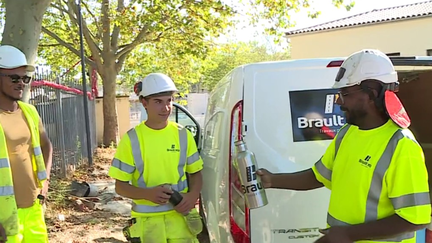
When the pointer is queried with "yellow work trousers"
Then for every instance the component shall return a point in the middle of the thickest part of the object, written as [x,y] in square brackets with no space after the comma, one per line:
[168,228]
[32,228]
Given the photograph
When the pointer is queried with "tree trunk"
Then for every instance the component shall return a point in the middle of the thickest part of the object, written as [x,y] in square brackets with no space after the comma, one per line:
[23,28]
[109,76]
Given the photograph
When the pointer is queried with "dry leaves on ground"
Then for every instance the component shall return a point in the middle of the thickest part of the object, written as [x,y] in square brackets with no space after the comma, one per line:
[72,222]
[69,223]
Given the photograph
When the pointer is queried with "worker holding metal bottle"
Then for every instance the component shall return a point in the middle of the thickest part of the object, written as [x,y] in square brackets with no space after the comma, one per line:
[374,166]
[158,166]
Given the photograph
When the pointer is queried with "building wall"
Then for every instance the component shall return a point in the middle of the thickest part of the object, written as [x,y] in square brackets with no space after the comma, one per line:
[409,37]
[123,117]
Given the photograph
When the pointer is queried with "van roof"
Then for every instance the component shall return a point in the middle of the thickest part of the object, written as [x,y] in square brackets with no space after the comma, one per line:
[337,61]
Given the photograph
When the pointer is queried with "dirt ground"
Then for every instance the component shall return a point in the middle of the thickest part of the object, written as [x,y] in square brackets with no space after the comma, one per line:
[71,222]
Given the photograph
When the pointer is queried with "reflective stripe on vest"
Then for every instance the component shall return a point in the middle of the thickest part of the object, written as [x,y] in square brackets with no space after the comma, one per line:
[139,165]
[31,114]
[40,164]
[5,190]
[326,173]
[375,188]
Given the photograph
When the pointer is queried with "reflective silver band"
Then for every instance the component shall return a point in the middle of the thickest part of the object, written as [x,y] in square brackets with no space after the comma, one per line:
[6,191]
[116,163]
[4,163]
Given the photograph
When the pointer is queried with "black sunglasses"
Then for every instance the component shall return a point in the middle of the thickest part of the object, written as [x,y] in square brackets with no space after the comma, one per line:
[15,78]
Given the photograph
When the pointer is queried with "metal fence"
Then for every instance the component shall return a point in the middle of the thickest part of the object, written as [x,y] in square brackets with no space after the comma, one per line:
[61,109]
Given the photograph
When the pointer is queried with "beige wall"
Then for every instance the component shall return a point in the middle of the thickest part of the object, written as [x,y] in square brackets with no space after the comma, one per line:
[123,117]
[409,37]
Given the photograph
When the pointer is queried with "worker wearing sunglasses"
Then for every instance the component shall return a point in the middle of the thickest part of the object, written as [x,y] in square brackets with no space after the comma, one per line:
[24,149]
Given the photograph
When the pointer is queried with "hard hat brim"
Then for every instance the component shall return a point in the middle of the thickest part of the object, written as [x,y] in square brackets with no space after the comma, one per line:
[29,68]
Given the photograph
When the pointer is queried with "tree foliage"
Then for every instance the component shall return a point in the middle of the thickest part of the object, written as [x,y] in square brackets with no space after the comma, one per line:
[23,20]
[180,30]
[112,30]
[228,56]
[185,70]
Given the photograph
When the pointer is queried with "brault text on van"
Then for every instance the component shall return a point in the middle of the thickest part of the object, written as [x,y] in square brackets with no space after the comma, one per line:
[334,120]
[252,188]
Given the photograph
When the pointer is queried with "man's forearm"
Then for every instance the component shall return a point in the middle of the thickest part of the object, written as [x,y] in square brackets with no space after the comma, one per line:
[47,151]
[195,183]
[300,181]
[127,190]
[382,229]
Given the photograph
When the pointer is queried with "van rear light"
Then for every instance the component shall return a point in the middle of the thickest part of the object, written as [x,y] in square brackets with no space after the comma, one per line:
[335,63]
[238,211]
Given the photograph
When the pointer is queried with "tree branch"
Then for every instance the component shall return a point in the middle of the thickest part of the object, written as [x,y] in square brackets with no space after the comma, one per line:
[138,40]
[65,44]
[116,31]
[94,18]
[120,61]
[106,26]
[63,12]
[159,36]
[94,49]
[58,7]
[50,45]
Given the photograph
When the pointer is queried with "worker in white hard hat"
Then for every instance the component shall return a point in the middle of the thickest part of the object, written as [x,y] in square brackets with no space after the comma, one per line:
[152,161]
[25,155]
[374,166]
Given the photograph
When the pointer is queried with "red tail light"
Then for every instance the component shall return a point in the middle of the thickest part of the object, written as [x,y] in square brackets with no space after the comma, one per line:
[238,211]
[335,63]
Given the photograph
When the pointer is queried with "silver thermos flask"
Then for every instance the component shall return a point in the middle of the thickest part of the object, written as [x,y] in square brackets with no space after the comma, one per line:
[250,182]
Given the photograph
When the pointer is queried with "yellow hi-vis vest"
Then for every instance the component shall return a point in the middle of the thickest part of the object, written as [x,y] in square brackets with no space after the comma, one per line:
[9,215]
[373,201]
[182,183]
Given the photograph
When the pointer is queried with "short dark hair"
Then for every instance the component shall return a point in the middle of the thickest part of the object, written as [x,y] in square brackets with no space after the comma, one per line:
[374,84]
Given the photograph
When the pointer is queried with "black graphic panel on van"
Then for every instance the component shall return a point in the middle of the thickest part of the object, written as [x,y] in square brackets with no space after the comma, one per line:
[315,114]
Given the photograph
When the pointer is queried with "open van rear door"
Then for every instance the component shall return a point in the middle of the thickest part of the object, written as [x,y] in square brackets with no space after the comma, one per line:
[415,93]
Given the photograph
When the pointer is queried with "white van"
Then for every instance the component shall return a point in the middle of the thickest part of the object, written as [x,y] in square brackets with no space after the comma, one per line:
[287,114]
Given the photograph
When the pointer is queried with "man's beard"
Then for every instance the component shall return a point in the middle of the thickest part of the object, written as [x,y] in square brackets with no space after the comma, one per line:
[354,116]
[10,97]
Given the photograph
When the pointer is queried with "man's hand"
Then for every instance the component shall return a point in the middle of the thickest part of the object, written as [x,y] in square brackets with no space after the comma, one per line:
[334,235]
[3,237]
[266,177]
[44,191]
[159,194]
[188,202]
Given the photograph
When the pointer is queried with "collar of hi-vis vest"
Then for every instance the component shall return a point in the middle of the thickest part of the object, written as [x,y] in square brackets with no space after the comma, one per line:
[396,110]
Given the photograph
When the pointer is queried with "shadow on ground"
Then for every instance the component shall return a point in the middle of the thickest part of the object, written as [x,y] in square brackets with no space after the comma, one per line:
[108,239]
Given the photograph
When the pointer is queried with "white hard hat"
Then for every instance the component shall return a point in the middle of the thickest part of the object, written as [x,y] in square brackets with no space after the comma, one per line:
[155,83]
[363,65]
[11,57]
